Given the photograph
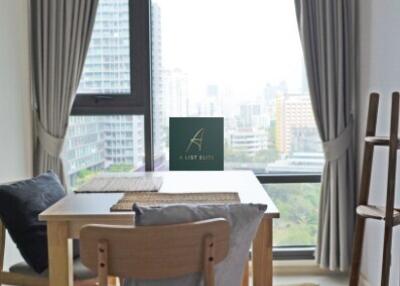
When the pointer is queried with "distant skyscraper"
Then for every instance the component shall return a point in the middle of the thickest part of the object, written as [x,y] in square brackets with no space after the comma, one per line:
[212,103]
[176,92]
[249,115]
[295,124]
[107,65]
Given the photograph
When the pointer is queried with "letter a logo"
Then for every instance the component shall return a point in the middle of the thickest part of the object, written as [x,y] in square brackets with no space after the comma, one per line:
[196,140]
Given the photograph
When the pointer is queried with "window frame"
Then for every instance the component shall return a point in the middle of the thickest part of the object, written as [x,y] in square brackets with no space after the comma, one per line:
[139,102]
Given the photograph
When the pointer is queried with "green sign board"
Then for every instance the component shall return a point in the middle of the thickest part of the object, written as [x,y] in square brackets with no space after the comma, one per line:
[196,143]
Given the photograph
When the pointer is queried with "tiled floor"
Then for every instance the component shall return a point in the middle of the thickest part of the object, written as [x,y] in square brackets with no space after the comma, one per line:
[322,280]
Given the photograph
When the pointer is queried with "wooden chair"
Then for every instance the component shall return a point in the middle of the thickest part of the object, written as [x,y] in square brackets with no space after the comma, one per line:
[155,252]
[27,277]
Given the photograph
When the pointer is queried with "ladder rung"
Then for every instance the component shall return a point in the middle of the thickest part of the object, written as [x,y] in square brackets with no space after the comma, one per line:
[379,213]
[379,140]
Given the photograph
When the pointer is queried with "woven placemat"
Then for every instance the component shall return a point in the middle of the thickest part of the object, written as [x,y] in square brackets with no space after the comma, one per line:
[158,199]
[119,184]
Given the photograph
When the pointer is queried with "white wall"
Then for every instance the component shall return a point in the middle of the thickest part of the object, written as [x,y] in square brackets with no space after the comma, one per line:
[15,122]
[15,142]
[380,71]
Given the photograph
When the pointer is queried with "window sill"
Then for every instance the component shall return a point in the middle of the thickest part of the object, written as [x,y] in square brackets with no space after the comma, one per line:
[294,253]
[298,267]
[289,178]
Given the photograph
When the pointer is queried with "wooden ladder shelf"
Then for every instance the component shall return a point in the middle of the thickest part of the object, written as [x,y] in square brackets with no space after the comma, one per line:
[389,214]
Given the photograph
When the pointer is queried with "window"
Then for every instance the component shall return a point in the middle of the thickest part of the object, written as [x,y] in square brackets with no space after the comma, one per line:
[242,62]
[96,144]
[116,75]
[107,64]
[112,92]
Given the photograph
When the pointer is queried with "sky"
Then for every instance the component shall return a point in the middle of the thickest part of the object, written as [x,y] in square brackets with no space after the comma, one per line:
[242,44]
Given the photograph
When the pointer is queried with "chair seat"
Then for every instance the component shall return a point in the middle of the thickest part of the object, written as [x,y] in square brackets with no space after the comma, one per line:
[80,271]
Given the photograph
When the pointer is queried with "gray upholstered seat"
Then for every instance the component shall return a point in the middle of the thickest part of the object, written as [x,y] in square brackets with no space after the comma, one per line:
[80,271]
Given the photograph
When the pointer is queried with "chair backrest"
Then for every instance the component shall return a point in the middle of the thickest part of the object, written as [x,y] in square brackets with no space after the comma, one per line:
[155,252]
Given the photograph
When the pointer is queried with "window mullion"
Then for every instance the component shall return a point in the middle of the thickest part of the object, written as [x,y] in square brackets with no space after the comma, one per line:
[140,49]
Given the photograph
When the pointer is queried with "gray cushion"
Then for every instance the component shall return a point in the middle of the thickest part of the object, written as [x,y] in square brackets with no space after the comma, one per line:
[243,219]
[20,205]
[80,271]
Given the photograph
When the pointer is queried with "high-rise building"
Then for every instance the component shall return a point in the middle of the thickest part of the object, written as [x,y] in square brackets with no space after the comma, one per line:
[249,141]
[295,124]
[123,136]
[84,147]
[95,143]
[107,64]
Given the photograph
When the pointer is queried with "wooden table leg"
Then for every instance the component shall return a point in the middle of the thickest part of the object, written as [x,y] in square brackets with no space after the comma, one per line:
[60,254]
[262,254]
[245,279]
[113,281]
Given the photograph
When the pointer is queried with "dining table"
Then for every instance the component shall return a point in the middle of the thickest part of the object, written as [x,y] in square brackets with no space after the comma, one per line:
[66,218]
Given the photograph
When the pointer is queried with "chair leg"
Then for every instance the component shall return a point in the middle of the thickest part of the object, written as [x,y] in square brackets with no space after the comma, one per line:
[113,281]
[121,281]
[386,260]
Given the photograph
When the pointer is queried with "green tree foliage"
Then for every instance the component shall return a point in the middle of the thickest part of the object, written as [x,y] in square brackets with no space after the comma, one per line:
[84,176]
[263,156]
[298,205]
[116,168]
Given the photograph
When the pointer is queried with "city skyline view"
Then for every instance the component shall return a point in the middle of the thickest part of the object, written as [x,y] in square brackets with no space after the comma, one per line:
[253,78]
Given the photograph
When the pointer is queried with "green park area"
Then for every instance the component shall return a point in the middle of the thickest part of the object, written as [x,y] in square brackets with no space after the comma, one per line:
[298,205]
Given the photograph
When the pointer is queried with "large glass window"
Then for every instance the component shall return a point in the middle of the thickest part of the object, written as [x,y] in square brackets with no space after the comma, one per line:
[241,62]
[116,74]
[149,60]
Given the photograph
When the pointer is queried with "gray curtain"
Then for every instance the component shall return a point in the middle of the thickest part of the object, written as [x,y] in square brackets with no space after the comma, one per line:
[327,32]
[60,36]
